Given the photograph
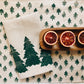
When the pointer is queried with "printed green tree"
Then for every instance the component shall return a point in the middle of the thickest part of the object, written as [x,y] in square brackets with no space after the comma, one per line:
[46,57]
[41,5]
[1,11]
[58,11]
[29,5]
[5,3]
[11,9]
[17,4]
[53,6]
[20,67]
[64,3]
[30,54]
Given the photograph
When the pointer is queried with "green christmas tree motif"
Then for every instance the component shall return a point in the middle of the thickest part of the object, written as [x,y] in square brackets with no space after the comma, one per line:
[41,17]
[0,76]
[46,57]
[71,78]
[63,14]
[75,15]
[47,11]
[60,67]
[27,79]
[55,75]
[29,5]
[64,3]
[71,57]
[79,52]
[5,3]
[81,8]
[52,26]
[71,68]
[69,9]
[10,63]
[69,20]
[5,79]
[38,80]
[53,6]
[41,5]
[20,67]
[5,47]
[82,67]
[10,74]
[16,79]
[52,17]
[4,68]
[35,10]
[75,25]
[1,11]
[1,24]
[77,62]
[63,25]
[6,15]
[11,9]
[0,53]
[49,79]
[44,76]
[60,57]
[18,4]
[82,57]
[18,15]
[58,11]
[82,77]
[57,23]
[55,64]
[77,74]
[80,21]
[65,62]
[4,57]
[30,54]
[60,79]
[68,52]
[46,24]
[66,73]
[23,9]
[0,65]
[76,3]
[5,37]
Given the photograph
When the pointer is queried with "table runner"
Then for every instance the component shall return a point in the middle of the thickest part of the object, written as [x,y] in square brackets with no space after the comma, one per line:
[68,66]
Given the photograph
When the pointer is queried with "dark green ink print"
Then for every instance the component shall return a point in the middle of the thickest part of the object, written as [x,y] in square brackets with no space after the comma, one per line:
[47,11]
[53,6]
[23,9]
[10,63]
[20,67]
[6,15]
[77,62]
[64,3]
[65,62]
[46,57]
[1,11]
[35,10]
[66,73]
[71,68]
[5,3]
[29,5]
[52,17]
[46,24]
[10,74]
[58,11]
[69,9]
[18,4]
[81,8]
[71,78]
[38,80]
[41,5]
[55,64]
[11,9]
[30,55]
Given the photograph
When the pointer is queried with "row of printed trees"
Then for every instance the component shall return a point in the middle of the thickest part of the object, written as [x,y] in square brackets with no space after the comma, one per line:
[31,57]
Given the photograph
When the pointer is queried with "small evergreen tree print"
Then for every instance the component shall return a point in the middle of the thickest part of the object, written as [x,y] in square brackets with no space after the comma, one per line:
[47,11]
[18,15]
[52,26]
[77,62]
[6,15]
[75,25]
[44,76]
[5,47]
[1,24]
[1,11]
[58,11]
[64,14]
[82,77]
[75,15]
[82,67]
[5,3]
[35,10]
[4,68]
[69,9]
[0,65]
[69,20]
[65,62]
[52,17]
[11,9]
[10,74]
[53,6]
[38,80]
[30,55]
[46,57]
[64,3]
[10,63]
[55,64]
[71,68]
[82,57]
[66,73]
[60,79]
[57,23]
[55,75]
[49,79]
[71,57]
[5,37]
[60,57]
[80,21]
[41,17]
[29,5]
[5,79]
[63,25]
[79,52]
[60,67]
[20,67]
[23,9]
[77,74]
[4,58]
[16,79]
[81,8]
[71,78]
[27,79]
[76,3]
[41,5]
[46,24]
[18,4]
